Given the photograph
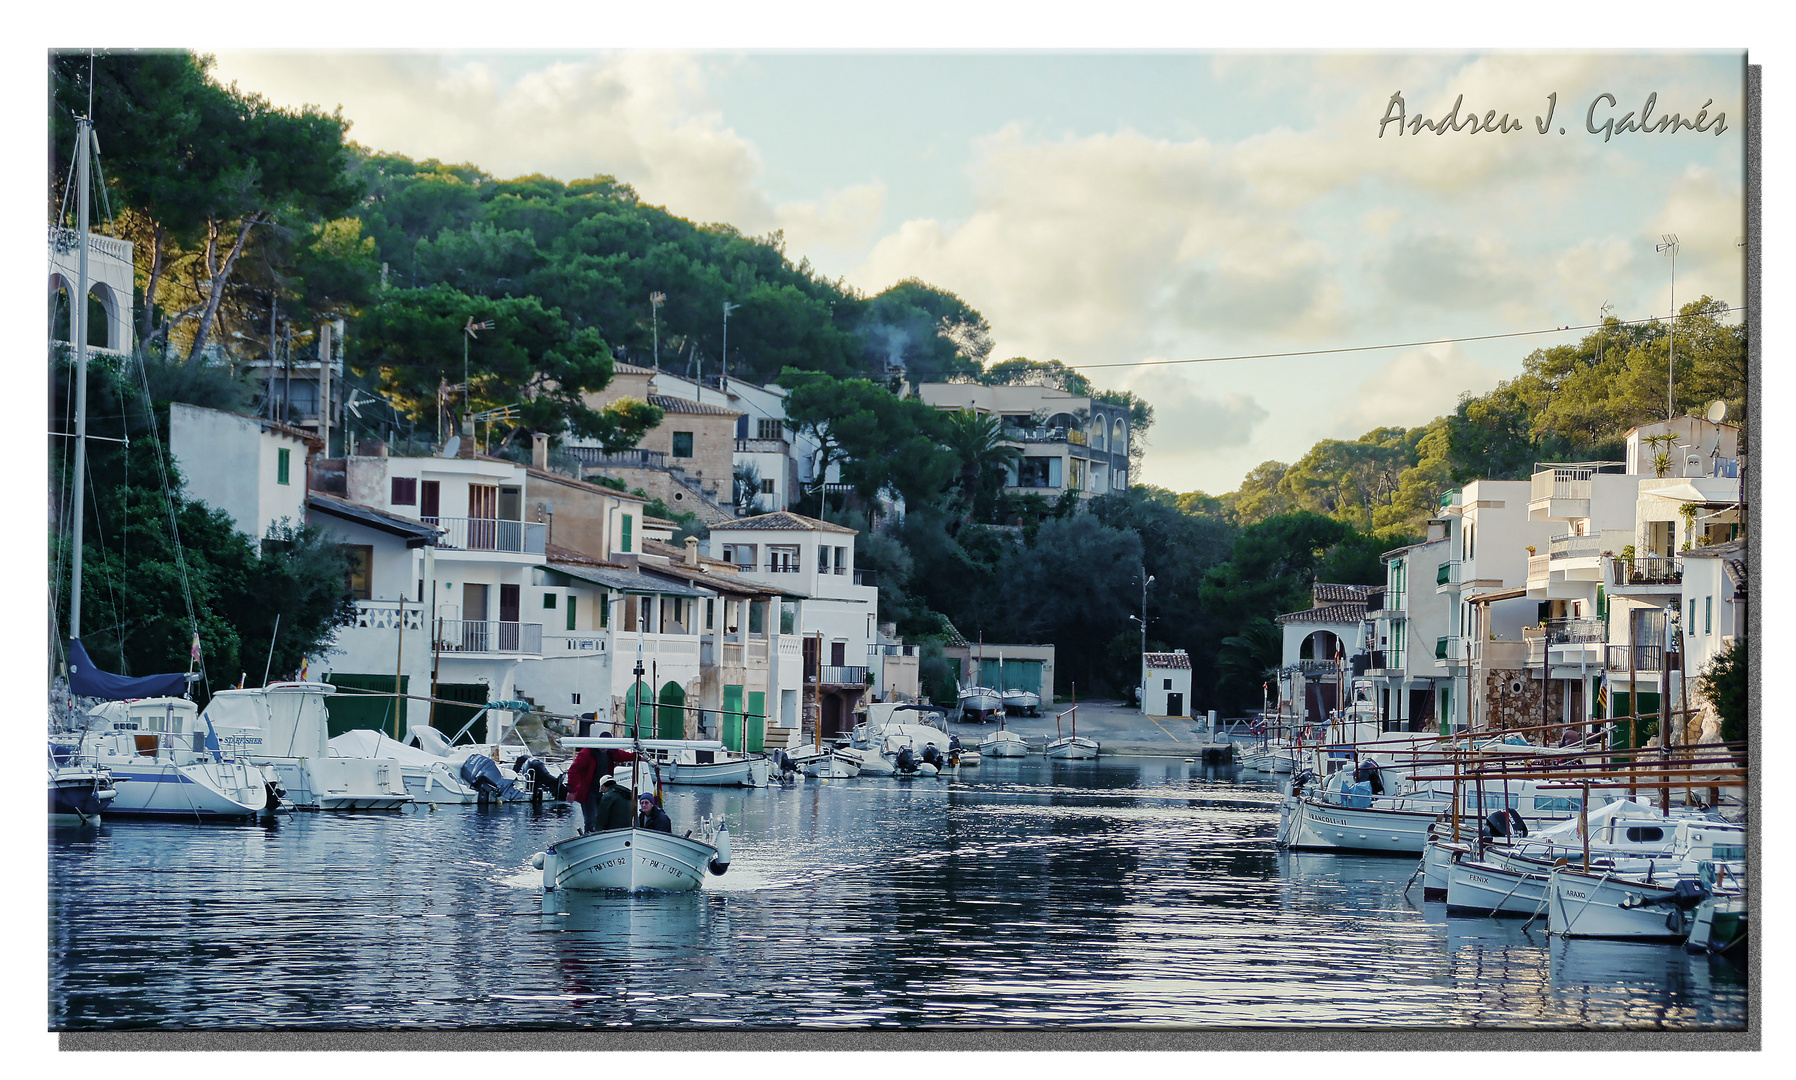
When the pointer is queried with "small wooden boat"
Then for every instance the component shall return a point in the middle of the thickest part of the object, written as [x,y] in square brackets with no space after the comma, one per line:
[1074,746]
[634,860]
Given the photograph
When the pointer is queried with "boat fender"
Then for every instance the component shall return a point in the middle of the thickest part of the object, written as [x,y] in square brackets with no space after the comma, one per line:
[926,769]
[722,843]
[536,860]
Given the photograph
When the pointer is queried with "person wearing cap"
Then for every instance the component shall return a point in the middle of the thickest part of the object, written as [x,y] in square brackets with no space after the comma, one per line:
[649,815]
[614,806]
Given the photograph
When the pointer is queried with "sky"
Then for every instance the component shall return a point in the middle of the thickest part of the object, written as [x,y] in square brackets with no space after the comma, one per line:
[1118,210]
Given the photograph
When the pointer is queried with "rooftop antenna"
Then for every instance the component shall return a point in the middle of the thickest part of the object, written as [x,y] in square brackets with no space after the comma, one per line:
[1669,246]
[1602,318]
[656,299]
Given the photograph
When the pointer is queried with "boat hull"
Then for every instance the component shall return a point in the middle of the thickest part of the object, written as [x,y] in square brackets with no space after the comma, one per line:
[227,789]
[79,793]
[1437,856]
[1311,825]
[1003,744]
[745,772]
[1603,906]
[1719,924]
[632,860]
[1073,748]
[342,783]
[1483,888]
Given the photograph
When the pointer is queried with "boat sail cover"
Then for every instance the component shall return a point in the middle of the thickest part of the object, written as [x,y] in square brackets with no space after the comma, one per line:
[87,680]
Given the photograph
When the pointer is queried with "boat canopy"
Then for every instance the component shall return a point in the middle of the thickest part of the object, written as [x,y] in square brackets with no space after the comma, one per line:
[86,680]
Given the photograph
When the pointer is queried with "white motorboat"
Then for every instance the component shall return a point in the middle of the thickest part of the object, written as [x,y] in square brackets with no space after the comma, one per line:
[1003,743]
[285,727]
[165,763]
[428,777]
[482,766]
[707,762]
[963,758]
[831,765]
[1021,703]
[869,761]
[635,860]
[1328,816]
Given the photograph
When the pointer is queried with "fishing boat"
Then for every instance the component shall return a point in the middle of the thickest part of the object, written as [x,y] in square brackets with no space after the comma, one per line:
[285,727]
[1074,746]
[707,762]
[977,703]
[1656,903]
[1021,702]
[834,763]
[1003,743]
[165,763]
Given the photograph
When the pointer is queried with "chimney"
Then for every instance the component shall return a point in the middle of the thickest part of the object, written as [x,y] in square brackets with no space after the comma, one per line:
[466,449]
[539,451]
[692,551]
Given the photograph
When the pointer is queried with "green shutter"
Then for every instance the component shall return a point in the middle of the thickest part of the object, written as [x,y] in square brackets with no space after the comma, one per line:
[732,718]
[573,603]
[757,721]
[283,466]
[627,524]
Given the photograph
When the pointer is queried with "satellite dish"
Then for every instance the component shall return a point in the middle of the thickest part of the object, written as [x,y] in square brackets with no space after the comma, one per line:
[452,447]
[1717,410]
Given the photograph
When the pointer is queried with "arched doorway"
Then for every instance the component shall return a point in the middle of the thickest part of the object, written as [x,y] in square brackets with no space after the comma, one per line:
[671,715]
[628,720]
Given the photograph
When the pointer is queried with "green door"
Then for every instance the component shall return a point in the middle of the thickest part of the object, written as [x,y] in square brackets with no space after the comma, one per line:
[1013,675]
[732,717]
[1645,730]
[449,719]
[351,711]
[757,721]
[630,720]
[670,716]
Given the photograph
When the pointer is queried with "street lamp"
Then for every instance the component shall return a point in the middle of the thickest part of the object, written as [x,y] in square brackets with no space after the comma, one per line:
[655,301]
[724,377]
[1670,247]
[1149,580]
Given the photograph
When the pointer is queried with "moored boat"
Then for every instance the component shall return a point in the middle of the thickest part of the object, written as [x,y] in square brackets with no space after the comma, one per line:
[1021,702]
[164,763]
[81,792]
[284,727]
[978,703]
[1003,743]
[1073,747]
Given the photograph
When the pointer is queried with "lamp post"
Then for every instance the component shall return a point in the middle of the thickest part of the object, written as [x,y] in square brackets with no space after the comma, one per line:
[655,301]
[1148,580]
[1670,247]
[723,378]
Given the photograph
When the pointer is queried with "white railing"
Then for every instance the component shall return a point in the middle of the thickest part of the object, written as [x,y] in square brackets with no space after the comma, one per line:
[491,534]
[384,615]
[732,654]
[555,643]
[1574,547]
[67,240]
[790,649]
[470,635]
[1561,483]
[757,652]
[1537,569]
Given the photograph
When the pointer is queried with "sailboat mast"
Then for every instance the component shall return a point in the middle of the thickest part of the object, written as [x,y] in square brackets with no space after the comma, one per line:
[78,324]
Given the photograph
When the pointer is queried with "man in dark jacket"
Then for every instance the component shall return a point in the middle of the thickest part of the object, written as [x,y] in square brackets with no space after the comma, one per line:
[651,816]
[614,807]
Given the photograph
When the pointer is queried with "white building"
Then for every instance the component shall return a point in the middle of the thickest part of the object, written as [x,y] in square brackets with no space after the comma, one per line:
[111,275]
[1168,689]
[252,469]
[1068,441]
[811,564]
[1410,634]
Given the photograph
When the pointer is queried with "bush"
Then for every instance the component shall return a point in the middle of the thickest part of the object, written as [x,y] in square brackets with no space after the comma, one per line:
[1727,686]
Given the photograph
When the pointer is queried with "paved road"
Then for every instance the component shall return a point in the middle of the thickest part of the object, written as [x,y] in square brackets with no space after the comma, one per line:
[1118,728]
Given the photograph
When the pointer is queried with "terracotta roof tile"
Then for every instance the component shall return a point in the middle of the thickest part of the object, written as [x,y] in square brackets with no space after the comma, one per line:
[783,519]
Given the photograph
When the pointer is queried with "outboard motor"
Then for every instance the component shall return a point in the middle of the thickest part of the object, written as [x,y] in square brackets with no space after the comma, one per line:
[953,743]
[932,756]
[722,843]
[1300,781]
[905,761]
[1367,772]
[482,774]
[543,780]
[276,795]
[1505,823]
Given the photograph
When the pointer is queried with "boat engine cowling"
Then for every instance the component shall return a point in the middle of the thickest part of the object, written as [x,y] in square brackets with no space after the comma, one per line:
[722,843]
[932,756]
[1505,823]
[543,779]
[1366,772]
[482,774]
[906,761]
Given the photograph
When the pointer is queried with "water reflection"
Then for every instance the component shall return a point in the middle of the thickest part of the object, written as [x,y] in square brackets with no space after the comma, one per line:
[1024,892]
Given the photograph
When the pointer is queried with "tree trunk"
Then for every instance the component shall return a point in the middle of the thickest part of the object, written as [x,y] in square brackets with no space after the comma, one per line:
[219,278]
[158,256]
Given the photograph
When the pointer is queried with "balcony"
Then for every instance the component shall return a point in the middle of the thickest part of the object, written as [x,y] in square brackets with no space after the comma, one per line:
[831,675]
[1623,658]
[1648,570]
[891,650]
[862,577]
[1560,492]
[1575,547]
[762,446]
[491,534]
[1575,631]
[623,459]
[590,642]
[468,635]
[1537,572]
[385,615]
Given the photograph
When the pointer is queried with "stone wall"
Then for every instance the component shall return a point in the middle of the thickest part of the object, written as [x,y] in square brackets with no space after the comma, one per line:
[1512,699]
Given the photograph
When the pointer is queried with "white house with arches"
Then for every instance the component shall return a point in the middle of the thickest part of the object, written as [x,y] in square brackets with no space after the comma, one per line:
[110,275]
[1069,442]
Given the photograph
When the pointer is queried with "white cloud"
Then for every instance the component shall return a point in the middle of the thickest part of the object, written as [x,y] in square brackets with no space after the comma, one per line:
[835,229]
[1414,387]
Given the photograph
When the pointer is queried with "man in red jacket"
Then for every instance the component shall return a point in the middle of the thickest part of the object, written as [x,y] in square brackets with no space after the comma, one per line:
[583,787]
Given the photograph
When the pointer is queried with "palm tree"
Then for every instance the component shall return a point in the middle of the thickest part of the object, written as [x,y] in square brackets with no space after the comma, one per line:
[978,441]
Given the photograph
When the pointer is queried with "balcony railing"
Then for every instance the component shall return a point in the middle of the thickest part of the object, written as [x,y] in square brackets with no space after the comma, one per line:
[622,459]
[467,635]
[1642,657]
[761,446]
[1562,482]
[891,650]
[384,615]
[1575,631]
[591,642]
[491,534]
[64,241]
[1537,570]
[1649,570]
[831,675]
[864,577]
[1574,547]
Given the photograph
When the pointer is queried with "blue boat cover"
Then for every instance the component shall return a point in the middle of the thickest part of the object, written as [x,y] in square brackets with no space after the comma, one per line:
[86,680]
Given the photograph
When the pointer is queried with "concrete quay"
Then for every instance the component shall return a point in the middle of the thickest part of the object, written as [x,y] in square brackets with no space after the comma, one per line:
[1118,728]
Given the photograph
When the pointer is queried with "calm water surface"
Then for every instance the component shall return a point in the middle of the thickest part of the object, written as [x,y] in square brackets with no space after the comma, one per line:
[1025,892]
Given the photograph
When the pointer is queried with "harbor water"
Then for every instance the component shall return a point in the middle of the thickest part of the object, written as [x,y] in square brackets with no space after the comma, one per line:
[1133,892]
